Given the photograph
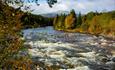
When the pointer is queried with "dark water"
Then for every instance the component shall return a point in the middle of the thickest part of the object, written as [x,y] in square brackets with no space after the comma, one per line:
[72,51]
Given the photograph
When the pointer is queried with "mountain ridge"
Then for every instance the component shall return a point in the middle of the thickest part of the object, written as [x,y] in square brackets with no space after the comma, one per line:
[53,14]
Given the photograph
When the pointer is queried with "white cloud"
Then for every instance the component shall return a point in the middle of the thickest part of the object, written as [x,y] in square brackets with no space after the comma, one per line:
[83,6]
[44,8]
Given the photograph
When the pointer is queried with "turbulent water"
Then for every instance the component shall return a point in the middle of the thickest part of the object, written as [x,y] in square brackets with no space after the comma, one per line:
[71,51]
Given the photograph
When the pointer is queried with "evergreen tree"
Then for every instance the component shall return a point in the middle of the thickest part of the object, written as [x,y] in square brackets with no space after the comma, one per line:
[79,20]
[73,13]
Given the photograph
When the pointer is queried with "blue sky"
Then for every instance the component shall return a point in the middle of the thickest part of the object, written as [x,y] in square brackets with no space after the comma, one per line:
[83,6]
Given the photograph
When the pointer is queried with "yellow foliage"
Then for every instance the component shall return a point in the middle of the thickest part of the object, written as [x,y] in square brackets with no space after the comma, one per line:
[69,21]
[10,42]
[20,64]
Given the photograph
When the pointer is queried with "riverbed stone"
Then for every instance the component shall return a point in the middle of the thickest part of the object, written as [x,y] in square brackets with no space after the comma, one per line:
[113,59]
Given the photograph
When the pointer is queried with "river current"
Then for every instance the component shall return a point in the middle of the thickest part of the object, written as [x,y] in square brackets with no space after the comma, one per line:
[69,51]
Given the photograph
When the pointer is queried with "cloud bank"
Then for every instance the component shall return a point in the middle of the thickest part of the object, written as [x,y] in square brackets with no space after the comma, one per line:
[83,6]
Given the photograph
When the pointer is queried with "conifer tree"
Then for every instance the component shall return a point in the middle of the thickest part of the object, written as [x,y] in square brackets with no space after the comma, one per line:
[79,20]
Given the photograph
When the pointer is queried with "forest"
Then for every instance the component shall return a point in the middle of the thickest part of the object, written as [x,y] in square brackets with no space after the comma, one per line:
[93,22]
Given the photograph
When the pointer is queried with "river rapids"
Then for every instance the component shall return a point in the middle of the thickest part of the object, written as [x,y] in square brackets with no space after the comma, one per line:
[69,51]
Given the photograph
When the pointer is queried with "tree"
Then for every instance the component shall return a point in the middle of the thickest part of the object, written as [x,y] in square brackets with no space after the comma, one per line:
[55,21]
[10,28]
[73,13]
[59,22]
[70,20]
[90,15]
[21,2]
[79,20]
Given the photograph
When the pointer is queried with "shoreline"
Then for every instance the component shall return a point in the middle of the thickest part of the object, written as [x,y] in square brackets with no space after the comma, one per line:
[110,37]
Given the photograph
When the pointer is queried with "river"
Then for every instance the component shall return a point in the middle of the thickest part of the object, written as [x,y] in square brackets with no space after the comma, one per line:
[69,51]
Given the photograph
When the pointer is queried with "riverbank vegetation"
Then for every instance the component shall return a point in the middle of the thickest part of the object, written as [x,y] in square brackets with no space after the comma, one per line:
[10,42]
[33,21]
[12,21]
[93,23]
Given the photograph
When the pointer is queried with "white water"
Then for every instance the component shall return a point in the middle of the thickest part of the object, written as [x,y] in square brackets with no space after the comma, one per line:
[72,51]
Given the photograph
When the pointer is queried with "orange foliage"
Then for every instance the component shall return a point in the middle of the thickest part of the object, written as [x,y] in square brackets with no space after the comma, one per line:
[19,64]
[69,21]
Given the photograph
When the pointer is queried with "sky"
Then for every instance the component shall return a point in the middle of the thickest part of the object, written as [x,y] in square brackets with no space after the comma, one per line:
[83,6]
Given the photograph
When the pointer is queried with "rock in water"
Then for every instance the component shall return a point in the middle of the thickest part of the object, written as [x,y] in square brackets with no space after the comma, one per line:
[113,59]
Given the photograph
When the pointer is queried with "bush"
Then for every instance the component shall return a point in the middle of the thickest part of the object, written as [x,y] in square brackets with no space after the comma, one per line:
[10,42]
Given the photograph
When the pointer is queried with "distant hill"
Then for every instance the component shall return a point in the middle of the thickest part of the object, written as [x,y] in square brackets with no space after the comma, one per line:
[53,14]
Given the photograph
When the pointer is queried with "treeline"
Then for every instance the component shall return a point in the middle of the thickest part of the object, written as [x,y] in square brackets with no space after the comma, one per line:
[93,22]
[99,23]
[32,21]
[63,21]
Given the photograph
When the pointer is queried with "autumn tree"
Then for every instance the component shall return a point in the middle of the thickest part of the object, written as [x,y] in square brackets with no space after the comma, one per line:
[10,26]
[59,22]
[70,20]
[10,38]
[55,21]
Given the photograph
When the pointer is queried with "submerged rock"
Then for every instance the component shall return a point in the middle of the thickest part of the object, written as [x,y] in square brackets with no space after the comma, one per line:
[113,59]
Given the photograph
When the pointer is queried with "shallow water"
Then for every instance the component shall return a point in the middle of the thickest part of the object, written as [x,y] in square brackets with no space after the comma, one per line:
[71,51]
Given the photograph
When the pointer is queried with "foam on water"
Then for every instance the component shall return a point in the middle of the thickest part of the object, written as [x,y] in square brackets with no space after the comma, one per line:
[72,51]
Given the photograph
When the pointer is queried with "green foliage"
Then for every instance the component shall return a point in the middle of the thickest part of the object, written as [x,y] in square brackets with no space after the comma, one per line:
[79,20]
[58,22]
[32,21]
[73,13]
[90,15]
[93,22]
[21,63]
[99,23]
[11,22]
[55,21]
[63,21]
[70,20]
[10,42]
